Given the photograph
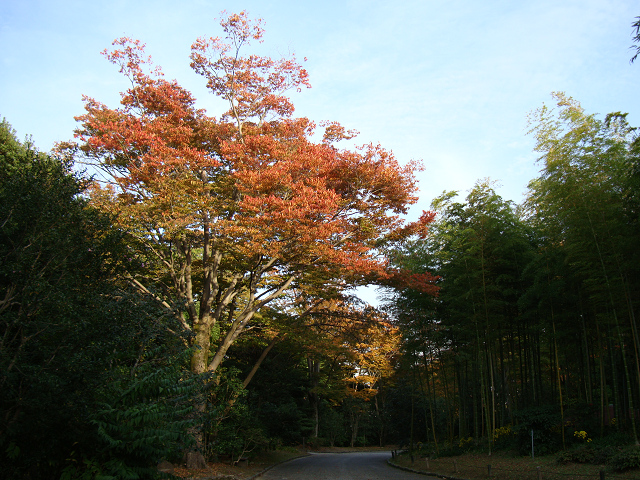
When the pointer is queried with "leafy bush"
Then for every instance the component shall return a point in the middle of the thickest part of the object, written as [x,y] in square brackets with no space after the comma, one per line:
[149,420]
[547,430]
[504,438]
[332,426]
[617,439]
[238,435]
[626,459]
[283,420]
[592,454]
[578,455]
[316,442]
[603,455]
[459,447]
[582,417]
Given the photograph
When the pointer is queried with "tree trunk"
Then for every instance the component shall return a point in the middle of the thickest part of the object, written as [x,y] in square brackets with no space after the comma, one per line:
[314,398]
[555,348]
[355,420]
[263,355]
[194,458]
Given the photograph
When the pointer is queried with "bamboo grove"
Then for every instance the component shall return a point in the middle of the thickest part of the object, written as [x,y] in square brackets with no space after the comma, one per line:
[534,327]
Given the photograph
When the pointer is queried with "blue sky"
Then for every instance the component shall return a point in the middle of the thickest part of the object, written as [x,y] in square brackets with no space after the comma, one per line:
[446,81]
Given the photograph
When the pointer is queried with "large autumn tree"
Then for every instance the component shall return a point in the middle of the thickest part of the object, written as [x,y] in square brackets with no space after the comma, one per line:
[235,210]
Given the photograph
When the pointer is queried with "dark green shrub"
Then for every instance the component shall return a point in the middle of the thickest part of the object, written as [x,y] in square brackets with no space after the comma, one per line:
[601,451]
[547,430]
[505,438]
[332,426]
[238,435]
[83,384]
[582,417]
[282,421]
[603,455]
[459,447]
[578,455]
[626,459]
[316,442]
[617,439]
[146,418]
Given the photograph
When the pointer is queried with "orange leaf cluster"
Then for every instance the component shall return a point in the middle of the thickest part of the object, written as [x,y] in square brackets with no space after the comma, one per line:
[249,193]
[264,187]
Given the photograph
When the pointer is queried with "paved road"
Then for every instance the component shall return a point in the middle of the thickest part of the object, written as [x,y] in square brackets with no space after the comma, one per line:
[341,466]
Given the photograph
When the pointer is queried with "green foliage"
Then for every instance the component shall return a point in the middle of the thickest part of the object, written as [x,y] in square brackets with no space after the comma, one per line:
[140,419]
[52,254]
[79,357]
[583,417]
[636,38]
[613,440]
[282,420]
[585,454]
[459,446]
[84,470]
[546,425]
[479,248]
[626,459]
[277,394]
[505,438]
[538,304]
[238,434]
[333,426]
[145,418]
[613,450]
[592,454]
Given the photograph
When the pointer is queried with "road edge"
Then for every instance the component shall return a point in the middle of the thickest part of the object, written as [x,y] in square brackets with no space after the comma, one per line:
[259,474]
[421,472]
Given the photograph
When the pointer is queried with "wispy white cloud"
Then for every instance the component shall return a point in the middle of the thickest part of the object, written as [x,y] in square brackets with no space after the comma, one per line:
[449,82]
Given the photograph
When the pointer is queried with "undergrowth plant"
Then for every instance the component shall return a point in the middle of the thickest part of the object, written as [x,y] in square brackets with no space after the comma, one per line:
[142,419]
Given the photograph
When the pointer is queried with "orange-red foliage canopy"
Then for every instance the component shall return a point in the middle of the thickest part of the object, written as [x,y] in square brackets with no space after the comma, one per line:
[249,195]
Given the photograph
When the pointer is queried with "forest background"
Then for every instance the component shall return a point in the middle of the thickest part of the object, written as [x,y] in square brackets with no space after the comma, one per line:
[470,357]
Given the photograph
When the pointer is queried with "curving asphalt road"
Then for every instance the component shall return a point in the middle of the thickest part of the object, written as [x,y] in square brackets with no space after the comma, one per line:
[341,466]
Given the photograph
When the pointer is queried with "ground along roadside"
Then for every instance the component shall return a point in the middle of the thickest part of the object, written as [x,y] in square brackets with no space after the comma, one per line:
[508,467]
[261,463]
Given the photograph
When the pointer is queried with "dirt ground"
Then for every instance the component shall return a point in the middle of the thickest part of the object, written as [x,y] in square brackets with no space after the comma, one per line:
[221,470]
[506,467]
